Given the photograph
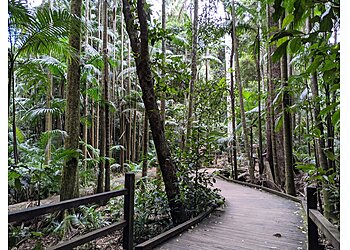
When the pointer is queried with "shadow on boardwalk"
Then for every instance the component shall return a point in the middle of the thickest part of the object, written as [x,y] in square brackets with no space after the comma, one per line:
[251,219]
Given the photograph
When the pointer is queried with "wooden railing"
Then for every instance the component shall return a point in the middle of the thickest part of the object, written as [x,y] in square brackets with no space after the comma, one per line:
[316,220]
[127,222]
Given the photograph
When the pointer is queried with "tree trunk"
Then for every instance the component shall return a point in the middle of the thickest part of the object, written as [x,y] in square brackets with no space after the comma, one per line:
[139,46]
[274,74]
[193,73]
[261,162]
[106,97]
[240,89]
[145,146]
[320,141]
[233,115]
[48,117]
[287,129]
[162,101]
[122,115]
[70,176]
[134,132]
[86,100]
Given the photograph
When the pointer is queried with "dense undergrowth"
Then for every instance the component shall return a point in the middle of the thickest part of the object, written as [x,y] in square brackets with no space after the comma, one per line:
[152,213]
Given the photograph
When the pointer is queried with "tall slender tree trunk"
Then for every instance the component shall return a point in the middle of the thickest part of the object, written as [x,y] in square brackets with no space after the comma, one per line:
[233,112]
[162,101]
[145,146]
[261,162]
[106,97]
[122,115]
[134,133]
[287,129]
[104,114]
[70,176]
[86,99]
[140,48]
[274,74]
[240,89]
[48,117]
[129,117]
[320,141]
[193,72]
[14,134]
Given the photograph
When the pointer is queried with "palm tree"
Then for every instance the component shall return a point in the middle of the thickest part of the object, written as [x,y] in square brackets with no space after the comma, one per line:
[31,34]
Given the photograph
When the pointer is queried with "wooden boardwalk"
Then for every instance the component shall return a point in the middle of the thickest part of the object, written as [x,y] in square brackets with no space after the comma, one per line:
[251,219]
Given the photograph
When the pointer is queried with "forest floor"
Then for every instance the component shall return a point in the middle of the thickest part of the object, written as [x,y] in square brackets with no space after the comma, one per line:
[116,180]
[110,242]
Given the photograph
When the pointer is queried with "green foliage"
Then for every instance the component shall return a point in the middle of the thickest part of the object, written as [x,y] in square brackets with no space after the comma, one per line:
[152,212]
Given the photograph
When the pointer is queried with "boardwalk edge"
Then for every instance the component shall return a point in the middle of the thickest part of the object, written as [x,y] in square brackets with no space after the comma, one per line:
[269,190]
[155,241]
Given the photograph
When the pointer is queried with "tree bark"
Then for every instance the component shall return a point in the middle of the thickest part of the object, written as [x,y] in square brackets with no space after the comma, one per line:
[48,117]
[162,101]
[240,89]
[141,55]
[12,86]
[103,120]
[70,176]
[145,146]
[287,129]
[106,97]
[193,72]
[320,141]
[122,115]
[233,114]
[261,162]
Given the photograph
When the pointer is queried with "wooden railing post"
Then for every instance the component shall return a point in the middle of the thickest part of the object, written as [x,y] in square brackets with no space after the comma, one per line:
[312,228]
[128,233]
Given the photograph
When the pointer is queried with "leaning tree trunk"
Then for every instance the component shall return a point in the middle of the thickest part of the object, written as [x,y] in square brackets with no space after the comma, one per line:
[70,176]
[240,89]
[194,72]
[139,44]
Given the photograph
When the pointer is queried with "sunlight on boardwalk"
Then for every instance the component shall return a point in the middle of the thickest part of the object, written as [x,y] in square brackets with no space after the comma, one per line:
[251,219]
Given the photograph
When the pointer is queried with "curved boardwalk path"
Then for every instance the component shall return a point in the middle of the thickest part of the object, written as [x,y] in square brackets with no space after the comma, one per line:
[251,219]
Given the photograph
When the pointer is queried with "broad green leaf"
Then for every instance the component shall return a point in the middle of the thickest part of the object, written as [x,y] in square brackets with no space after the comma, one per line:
[306,167]
[329,155]
[20,135]
[295,44]
[314,65]
[336,117]
[279,123]
[280,51]
[328,109]
[13,175]
[287,20]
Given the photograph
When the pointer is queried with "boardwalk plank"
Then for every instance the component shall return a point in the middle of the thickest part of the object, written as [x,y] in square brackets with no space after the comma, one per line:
[249,220]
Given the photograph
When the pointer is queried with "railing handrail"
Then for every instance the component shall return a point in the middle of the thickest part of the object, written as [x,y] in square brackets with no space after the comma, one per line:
[30,213]
[126,223]
[317,221]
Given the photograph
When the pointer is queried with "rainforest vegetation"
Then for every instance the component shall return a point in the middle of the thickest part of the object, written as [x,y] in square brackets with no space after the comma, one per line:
[168,89]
